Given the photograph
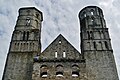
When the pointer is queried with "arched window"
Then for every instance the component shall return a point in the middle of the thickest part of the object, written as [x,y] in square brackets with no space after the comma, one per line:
[106,45]
[75,70]
[43,66]
[100,45]
[88,34]
[44,74]
[92,12]
[75,74]
[43,70]
[28,21]
[27,35]
[88,46]
[95,46]
[59,67]
[24,35]
[59,74]
[37,15]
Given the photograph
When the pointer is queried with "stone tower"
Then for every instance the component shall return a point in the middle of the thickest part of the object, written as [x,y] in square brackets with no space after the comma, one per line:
[25,44]
[96,45]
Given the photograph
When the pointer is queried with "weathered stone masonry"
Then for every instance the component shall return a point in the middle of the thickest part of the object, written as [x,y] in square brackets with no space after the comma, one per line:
[60,60]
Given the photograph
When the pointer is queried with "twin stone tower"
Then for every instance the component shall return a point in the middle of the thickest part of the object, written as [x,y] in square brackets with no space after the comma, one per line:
[60,60]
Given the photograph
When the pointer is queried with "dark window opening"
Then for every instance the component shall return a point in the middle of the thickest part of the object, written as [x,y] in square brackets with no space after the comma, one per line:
[37,15]
[94,44]
[106,45]
[44,68]
[24,35]
[100,43]
[37,24]
[84,14]
[75,74]
[88,34]
[92,20]
[27,35]
[44,74]
[28,21]
[106,35]
[59,74]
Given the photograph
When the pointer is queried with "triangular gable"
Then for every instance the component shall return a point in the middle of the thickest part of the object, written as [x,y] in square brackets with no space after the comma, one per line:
[60,48]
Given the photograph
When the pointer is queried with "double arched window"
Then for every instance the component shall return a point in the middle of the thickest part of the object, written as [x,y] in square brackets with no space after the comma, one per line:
[26,35]
[59,69]
[75,70]
[44,69]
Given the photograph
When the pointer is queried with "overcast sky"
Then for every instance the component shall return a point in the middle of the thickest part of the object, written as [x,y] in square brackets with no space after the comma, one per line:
[59,16]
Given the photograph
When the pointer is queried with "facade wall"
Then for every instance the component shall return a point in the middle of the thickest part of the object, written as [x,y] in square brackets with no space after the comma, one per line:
[67,69]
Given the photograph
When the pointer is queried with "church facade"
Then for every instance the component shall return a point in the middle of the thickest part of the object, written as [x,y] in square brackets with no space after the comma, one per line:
[60,60]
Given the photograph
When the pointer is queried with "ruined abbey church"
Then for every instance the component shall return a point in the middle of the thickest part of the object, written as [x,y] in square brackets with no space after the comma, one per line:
[60,60]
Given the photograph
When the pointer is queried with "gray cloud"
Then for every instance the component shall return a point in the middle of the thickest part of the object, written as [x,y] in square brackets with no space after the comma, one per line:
[59,17]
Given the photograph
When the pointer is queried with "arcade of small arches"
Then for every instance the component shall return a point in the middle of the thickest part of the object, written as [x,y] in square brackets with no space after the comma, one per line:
[75,72]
